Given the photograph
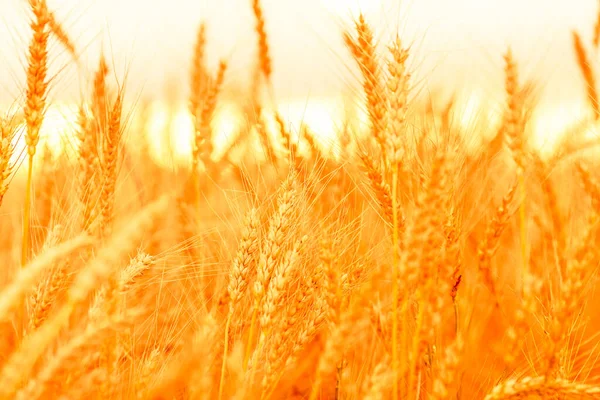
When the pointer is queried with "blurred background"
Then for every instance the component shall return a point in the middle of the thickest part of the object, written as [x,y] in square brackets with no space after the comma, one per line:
[457,46]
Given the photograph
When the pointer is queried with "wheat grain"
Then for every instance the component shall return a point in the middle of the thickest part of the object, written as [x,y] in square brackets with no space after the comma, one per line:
[588,74]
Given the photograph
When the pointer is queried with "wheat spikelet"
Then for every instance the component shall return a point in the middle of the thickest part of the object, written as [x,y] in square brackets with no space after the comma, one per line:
[588,74]
[35,104]
[202,145]
[148,369]
[100,268]
[397,95]
[100,95]
[278,283]
[279,226]
[45,292]
[363,50]
[419,236]
[49,379]
[397,86]
[98,271]
[515,126]
[420,244]
[110,159]
[6,152]
[239,277]
[542,388]
[590,184]
[24,280]
[263,45]
[240,274]
[284,346]
[136,268]
[285,135]
[380,187]
[198,75]
[489,244]
[88,163]
[62,36]
[47,297]
[107,298]
[275,297]
[514,117]
[570,299]
[37,84]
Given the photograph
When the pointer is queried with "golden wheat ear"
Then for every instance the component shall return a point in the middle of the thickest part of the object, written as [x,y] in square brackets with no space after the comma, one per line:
[35,104]
[240,277]
[7,149]
[264,57]
[587,72]
[364,53]
[62,36]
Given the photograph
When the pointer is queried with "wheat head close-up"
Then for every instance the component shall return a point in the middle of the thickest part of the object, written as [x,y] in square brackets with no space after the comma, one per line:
[277,199]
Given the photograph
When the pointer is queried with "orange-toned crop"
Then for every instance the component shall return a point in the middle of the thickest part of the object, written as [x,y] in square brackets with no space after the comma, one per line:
[410,257]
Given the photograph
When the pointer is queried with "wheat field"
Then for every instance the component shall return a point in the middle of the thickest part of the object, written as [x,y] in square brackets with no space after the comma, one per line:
[408,257]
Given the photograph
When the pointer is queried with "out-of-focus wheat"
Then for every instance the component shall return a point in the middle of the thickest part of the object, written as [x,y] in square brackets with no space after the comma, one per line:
[6,153]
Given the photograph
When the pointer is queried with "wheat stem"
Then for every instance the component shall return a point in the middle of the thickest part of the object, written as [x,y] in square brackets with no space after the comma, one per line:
[225,349]
[395,278]
[250,336]
[26,215]
[522,226]
[415,349]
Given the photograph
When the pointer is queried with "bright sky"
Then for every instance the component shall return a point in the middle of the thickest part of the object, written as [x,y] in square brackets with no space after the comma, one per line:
[457,44]
[453,39]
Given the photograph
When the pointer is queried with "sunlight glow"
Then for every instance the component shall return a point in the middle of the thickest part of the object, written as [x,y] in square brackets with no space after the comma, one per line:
[350,6]
[58,125]
[322,116]
[170,130]
[470,109]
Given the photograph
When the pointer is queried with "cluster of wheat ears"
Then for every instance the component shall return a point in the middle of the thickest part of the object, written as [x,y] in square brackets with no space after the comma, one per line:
[419,261]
